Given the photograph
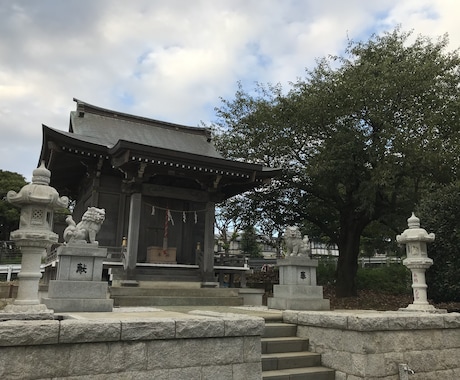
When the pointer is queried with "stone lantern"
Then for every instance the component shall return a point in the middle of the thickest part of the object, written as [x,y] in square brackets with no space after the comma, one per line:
[37,201]
[417,260]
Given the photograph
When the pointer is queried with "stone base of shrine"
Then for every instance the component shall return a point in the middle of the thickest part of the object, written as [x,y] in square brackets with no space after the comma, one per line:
[83,296]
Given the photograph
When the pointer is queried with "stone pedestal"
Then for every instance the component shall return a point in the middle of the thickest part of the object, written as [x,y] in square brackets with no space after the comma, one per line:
[297,289]
[252,296]
[78,285]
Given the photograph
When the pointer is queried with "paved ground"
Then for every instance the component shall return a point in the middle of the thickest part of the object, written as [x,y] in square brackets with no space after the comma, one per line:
[175,312]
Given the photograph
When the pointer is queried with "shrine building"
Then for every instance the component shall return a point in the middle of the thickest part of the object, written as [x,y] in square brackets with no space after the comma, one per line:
[158,182]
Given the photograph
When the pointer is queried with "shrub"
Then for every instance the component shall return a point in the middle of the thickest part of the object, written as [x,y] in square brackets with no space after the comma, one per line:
[325,273]
[392,279]
[439,213]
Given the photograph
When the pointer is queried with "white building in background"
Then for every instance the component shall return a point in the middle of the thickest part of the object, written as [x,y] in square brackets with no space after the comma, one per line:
[318,250]
[268,251]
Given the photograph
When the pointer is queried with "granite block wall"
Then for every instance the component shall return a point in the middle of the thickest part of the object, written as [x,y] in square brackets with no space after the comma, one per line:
[372,345]
[190,347]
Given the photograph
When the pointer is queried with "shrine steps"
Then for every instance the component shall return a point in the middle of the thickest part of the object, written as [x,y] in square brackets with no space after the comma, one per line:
[174,296]
[158,273]
[286,357]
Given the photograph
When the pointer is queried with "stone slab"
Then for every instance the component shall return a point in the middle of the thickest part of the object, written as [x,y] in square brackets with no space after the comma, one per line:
[236,324]
[77,289]
[88,331]
[78,304]
[298,303]
[91,250]
[25,312]
[252,296]
[297,291]
[15,333]
[144,329]
[372,320]
[297,261]
[199,328]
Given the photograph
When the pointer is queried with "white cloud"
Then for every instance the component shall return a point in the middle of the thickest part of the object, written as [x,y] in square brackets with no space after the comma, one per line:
[171,59]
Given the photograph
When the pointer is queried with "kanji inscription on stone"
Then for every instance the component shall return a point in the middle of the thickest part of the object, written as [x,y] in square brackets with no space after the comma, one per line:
[81,268]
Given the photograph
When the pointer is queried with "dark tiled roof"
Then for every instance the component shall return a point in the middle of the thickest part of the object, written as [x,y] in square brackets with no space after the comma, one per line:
[106,128]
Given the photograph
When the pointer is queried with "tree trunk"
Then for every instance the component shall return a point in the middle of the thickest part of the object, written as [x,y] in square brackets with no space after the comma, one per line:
[347,265]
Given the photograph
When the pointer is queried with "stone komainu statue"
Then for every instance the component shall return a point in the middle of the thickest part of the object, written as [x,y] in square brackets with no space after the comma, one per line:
[295,245]
[86,230]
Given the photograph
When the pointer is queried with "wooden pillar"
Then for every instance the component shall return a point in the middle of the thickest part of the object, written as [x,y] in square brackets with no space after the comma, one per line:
[208,279]
[133,229]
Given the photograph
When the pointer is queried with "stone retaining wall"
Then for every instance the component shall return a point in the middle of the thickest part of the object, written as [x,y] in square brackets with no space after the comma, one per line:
[372,345]
[189,347]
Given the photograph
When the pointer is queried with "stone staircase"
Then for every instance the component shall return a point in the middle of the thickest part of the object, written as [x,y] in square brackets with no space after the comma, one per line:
[174,295]
[158,273]
[286,357]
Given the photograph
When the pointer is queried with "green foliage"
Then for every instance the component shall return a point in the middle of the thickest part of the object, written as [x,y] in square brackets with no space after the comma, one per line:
[359,139]
[249,243]
[392,279]
[439,213]
[379,239]
[325,272]
[9,214]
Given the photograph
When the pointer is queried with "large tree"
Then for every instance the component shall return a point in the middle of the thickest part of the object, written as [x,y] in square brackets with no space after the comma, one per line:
[439,213]
[358,138]
[9,214]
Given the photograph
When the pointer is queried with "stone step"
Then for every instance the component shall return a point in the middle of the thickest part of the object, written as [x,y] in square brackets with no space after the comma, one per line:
[286,357]
[165,277]
[283,344]
[128,301]
[172,292]
[158,274]
[285,360]
[310,373]
[160,277]
[276,330]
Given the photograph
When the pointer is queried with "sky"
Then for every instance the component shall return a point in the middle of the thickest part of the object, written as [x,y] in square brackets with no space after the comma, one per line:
[172,60]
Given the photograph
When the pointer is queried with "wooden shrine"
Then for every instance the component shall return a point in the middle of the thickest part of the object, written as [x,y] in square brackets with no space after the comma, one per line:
[158,183]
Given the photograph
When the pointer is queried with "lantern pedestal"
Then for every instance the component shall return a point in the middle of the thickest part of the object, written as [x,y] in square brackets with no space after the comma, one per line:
[27,306]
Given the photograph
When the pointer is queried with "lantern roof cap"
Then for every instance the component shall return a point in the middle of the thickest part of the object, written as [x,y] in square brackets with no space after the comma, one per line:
[41,175]
[414,233]
[413,221]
